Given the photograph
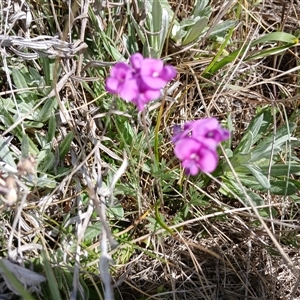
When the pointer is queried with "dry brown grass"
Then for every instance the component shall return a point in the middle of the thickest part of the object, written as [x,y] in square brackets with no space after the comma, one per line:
[222,252]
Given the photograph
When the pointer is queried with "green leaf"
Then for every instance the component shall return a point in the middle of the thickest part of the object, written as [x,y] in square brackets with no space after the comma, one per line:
[287,38]
[25,146]
[195,32]
[261,178]
[267,212]
[164,30]
[255,198]
[35,75]
[177,32]
[47,110]
[265,53]
[8,120]
[200,201]
[277,187]
[282,187]
[234,186]
[282,132]
[215,64]
[156,16]
[51,128]
[132,40]
[48,69]
[64,147]
[157,24]
[255,130]
[32,147]
[238,160]
[5,154]
[19,79]
[92,232]
[41,139]
[222,28]
[45,182]
[50,277]
[295,183]
[281,169]
[276,37]
[249,181]
[46,160]
[188,22]
[263,151]
[201,8]
[116,212]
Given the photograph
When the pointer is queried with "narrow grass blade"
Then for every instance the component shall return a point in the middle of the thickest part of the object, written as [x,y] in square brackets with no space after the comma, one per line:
[50,277]
[65,145]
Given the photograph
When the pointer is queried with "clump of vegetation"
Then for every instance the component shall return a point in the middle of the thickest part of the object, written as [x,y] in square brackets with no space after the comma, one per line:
[188,189]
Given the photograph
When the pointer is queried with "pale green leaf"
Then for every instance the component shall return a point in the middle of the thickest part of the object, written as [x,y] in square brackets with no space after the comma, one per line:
[51,128]
[281,169]
[5,154]
[283,37]
[25,146]
[260,177]
[195,32]
[47,110]
[201,8]
[19,79]
[222,28]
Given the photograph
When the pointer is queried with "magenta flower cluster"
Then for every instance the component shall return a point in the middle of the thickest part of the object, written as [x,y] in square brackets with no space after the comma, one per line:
[140,81]
[196,145]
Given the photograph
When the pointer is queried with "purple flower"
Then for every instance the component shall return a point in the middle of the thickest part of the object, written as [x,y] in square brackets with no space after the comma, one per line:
[154,74]
[141,81]
[196,144]
[144,96]
[207,131]
[195,156]
[121,82]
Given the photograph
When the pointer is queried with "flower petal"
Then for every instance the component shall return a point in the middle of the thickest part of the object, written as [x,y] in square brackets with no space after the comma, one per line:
[136,60]
[120,71]
[153,82]
[191,167]
[150,73]
[208,160]
[111,85]
[168,73]
[129,90]
[152,95]
[151,66]
[186,147]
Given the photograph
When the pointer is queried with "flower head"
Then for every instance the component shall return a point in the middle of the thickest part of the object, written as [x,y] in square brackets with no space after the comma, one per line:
[195,156]
[196,144]
[154,74]
[140,81]
[119,75]
[209,131]
[144,96]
